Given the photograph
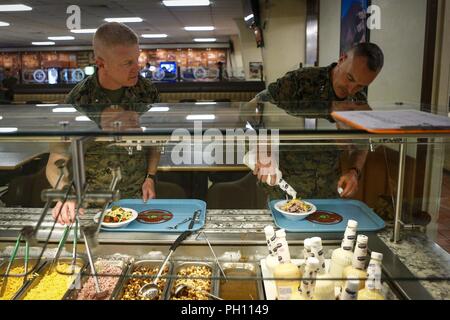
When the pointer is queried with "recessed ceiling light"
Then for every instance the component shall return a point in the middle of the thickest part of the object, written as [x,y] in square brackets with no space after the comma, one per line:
[205,103]
[200,117]
[64,110]
[184,3]
[57,38]
[1,118]
[14,7]
[154,35]
[83,30]
[4,24]
[206,28]
[82,118]
[159,109]
[7,130]
[46,105]
[43,43]
[124,20]
[205,39]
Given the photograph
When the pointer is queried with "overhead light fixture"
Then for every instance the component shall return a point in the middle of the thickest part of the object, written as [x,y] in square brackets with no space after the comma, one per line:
[185,3]
[124,20]
[46,105]
[205,39]
[159,109]
[64,110]
[83,30]
[200,117]
[248,17]
[205,103]
[82,118]
[4,24]
[14,7]
[8,130]
[154,35]
[1,118]
[58,38]
[43,43]
[206,28]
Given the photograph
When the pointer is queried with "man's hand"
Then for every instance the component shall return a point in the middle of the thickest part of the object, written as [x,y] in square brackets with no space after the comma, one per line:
[67,215]
[148,189]
[266,169]
[349,183]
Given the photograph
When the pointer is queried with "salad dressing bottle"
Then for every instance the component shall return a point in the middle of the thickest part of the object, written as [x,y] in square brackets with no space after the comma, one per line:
[342,257]
[373,282]
[325,288]
[358,268]
[306,289]
[286,273]
[350,291]
[272,258]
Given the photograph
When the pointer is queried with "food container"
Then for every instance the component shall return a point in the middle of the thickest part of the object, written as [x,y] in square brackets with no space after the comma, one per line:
[129,286]
[294,216]
[242,283]
[52,284]
[199,275]
[15,284]
[109,273]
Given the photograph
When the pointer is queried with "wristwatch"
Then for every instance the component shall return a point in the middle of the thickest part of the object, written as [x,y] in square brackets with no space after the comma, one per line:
[150,176]
[358,172]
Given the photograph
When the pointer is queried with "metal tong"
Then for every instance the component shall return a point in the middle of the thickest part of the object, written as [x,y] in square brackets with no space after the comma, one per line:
[28,234]
[11,261]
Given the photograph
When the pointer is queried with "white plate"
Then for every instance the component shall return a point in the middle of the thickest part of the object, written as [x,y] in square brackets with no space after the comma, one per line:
[117,224]
[294,216]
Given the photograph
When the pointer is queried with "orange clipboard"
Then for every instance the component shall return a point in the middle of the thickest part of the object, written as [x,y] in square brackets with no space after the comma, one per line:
[394,122]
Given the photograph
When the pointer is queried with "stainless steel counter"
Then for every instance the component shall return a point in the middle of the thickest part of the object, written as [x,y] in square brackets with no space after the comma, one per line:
[415,258]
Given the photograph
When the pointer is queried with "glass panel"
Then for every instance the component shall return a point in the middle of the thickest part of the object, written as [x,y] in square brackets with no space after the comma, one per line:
[162,118]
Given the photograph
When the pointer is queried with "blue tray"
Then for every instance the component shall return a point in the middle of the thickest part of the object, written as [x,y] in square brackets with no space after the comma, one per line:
[348,209]
[180,208]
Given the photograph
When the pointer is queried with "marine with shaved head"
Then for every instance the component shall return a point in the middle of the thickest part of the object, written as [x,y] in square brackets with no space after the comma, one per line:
[114,92]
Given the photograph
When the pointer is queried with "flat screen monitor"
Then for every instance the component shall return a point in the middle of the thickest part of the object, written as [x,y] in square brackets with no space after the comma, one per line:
[168,66]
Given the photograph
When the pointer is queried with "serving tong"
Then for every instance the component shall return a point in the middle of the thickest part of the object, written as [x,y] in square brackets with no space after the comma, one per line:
[89,234]
[11,261]
[28,234]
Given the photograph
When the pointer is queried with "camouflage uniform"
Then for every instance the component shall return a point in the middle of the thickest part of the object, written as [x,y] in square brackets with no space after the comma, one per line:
[313,171]
[88,97]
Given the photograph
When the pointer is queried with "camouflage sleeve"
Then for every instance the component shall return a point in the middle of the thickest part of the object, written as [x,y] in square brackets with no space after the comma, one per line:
[70,98]
[74,94]
[298,93]
[151,92]
[287,90]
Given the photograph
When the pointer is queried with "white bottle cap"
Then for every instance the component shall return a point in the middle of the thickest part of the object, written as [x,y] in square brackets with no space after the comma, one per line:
[280,233]
[352,224]
[376,255]
[316,242]
[362,239]
[307,243]
[269,231]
